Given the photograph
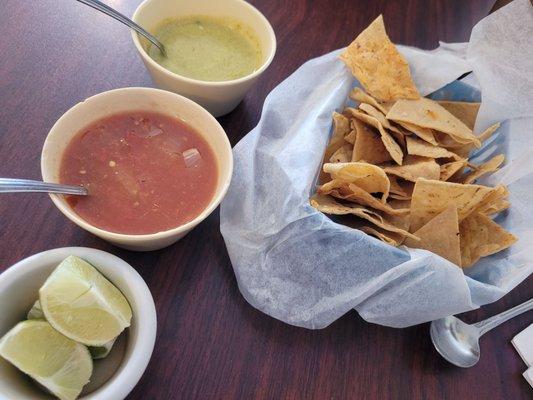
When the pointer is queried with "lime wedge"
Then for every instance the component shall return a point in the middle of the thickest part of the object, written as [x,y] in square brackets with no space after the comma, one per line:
[83,305]
[36,311]
[97,352]
[56,362]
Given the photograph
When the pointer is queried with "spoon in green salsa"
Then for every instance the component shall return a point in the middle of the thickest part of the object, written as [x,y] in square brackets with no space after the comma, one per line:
[126,21]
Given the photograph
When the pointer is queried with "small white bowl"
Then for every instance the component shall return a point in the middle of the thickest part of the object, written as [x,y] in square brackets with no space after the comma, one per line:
[218,98]
[113,377]
[135,99]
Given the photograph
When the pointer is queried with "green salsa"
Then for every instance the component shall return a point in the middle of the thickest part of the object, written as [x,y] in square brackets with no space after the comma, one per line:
[206,48]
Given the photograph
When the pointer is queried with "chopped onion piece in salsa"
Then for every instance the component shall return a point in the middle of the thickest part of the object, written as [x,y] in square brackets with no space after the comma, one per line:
[191,157]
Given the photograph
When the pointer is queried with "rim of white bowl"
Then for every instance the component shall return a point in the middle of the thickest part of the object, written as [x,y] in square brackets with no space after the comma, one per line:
[129,372]
[62,205]
[259,71]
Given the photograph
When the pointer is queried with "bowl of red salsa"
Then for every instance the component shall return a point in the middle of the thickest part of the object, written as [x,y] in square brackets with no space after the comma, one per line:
[155,164]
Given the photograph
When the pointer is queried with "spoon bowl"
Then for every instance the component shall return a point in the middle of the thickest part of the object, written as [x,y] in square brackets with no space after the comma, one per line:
[456,341]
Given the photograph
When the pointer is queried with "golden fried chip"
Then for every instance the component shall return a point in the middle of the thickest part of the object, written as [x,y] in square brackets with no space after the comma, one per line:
[374,112]
[490,166]
[497,194]
[423,133]
[395,196]
[465,112]
[431,197]
[377,64]
[392,147]
[494,208]
[328,205]
[415,167]
[450,169]
[440,235]
[342,155]
[418,147]
[350,137]
[487,133]
[358,94]
[350,192]
[368,177]
[429,114]
[368,145]
[392,238]
[464,149]
[481,237]
[403,220]
[341,126]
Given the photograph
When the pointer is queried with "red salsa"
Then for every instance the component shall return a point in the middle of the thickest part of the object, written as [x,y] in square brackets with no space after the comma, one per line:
[145,172]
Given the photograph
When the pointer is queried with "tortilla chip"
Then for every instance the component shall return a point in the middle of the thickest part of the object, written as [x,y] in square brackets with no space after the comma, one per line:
[440,235]
[392,147]
[402,221]
[358,94]
[374,112]
[341,126]
[423,133]
[368,177]
[418,147]
[377,64]
[392,238]
[414,167]
[350,192]
[431,197]
[368,145]
[487,133]
[429,114]
[481,237]
[490,166]
[461,149]
[495,207]
[497,194]
[400,139]
[342,155]
[465,112]
[395,186]
[328,205]
[350,137]
[450,169]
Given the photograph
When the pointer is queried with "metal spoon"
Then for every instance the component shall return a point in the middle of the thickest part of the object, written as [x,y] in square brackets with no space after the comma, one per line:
[125,20]
[8,185]
[458,342]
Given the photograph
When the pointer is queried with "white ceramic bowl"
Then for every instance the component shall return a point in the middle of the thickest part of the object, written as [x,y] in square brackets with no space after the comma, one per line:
[218,98]
[113,377]
[134,99]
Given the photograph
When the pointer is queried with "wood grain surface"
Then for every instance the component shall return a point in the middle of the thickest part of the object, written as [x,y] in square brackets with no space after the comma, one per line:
[211,344]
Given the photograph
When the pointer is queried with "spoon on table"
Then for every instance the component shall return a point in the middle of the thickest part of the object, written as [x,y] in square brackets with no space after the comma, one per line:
[8,185]
[458,342]
[125,20]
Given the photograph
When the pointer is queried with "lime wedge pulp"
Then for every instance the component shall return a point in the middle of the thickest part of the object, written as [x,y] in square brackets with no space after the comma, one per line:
[97,352]
[83,305]
[58,363]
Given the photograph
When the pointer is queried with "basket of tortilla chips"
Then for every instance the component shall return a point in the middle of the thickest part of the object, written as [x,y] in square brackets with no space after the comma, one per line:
[360,189]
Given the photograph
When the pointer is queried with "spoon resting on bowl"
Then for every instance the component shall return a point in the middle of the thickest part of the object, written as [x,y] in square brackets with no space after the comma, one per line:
[8,185]
[97,5]
[458,342]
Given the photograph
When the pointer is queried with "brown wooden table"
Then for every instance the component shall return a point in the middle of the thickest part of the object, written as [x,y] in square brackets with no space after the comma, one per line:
[211,344]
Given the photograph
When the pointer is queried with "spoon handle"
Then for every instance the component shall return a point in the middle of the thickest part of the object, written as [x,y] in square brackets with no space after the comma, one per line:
[492,322]
[8,185]
[97,5]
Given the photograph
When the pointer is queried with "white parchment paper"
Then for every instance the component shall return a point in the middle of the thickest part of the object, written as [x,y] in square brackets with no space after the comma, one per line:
[297,265]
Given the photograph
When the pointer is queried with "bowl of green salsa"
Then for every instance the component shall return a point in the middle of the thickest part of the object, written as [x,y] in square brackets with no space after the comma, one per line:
[215,50]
